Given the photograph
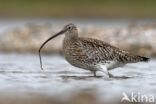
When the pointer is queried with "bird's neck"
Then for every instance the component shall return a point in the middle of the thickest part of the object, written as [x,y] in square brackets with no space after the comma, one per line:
[71,36]
[68,40]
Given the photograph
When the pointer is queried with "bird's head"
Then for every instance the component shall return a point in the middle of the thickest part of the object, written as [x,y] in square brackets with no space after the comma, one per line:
[69,30]
[70,27]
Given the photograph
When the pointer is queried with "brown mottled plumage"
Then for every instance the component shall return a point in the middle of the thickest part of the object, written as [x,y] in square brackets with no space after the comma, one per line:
[92,54]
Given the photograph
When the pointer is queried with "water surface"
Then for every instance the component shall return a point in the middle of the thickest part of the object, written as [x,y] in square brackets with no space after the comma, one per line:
[21,73]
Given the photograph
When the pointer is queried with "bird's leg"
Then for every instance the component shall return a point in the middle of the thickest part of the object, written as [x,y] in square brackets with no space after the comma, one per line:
[110,75]
[94,73]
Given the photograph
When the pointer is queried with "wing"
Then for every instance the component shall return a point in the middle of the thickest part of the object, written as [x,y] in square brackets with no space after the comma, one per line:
[97,51]
[92,51]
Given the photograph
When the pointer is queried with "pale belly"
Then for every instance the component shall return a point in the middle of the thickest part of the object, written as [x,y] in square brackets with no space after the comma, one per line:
[109,65]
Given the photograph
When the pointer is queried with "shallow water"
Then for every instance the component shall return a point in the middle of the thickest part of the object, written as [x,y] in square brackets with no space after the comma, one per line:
[22,73]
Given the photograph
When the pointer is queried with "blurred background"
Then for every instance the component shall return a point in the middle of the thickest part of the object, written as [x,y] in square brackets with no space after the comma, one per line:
[26,24]
[78,9]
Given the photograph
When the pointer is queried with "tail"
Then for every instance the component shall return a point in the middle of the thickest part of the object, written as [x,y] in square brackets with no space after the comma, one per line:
[144,59]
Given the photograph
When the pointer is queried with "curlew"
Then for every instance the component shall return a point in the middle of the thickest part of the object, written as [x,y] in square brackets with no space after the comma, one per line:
[92,54]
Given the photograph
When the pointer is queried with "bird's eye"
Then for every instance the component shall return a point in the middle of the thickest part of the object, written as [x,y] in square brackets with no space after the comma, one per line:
[69,27]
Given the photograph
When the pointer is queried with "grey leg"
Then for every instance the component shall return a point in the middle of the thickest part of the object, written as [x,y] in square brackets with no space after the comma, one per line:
[94,73]
[110,75]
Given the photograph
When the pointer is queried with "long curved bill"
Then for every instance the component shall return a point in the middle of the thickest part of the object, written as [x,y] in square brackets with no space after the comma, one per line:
[59,33]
